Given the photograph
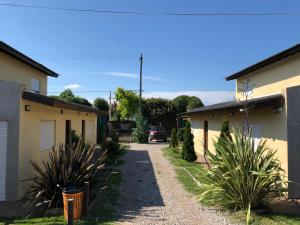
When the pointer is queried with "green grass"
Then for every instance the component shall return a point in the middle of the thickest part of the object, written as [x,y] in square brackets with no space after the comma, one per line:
[102,214]
[236,217]
[194,168]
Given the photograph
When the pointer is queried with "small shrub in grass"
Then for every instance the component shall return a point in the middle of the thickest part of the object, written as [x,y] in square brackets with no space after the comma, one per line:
[180,134]
[188,151]
[225,131]
[174,140]
[241,176]
[140,133]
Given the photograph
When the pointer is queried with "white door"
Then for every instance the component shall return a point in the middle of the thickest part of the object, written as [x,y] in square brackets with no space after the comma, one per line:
[3,152]
[256,134]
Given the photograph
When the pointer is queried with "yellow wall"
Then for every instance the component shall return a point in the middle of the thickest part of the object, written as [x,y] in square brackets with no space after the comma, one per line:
[272,79]
[14,70]
[273,125]
[30,133]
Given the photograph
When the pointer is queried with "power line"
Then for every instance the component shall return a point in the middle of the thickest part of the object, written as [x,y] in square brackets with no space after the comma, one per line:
[148,13]
[54,92]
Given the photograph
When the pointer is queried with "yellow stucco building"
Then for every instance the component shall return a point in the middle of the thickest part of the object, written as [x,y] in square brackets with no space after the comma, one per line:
[272,88]
[31,123]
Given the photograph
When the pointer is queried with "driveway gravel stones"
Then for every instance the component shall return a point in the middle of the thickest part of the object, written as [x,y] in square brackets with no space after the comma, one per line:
[151,193]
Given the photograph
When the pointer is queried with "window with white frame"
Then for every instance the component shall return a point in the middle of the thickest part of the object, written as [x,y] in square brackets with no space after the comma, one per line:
[90,128]
[35,85]
[47,134]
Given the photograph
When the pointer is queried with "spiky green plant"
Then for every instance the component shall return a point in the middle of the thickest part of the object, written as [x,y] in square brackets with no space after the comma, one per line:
[64,168]
[241,176]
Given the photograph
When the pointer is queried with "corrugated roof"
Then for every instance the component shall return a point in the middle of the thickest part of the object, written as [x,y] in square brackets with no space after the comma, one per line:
[53,102]
[25,59]
[272,100]
[279,56]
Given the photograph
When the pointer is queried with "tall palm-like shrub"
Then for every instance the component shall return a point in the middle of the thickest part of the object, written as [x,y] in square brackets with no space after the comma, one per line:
[64,168]
[241,176]
[174,140]
[188,151]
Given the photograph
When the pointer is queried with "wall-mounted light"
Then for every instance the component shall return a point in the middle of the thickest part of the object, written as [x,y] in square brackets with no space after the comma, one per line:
[277,110]
[27,108]
[242,110]
[87,114]
[61,111]
[231,114]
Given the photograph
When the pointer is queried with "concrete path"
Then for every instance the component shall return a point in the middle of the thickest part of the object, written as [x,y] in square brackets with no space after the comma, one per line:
[151,194]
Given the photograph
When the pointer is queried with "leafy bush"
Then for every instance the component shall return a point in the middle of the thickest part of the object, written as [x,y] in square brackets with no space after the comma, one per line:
[174,140]
[140,133]
[74,137]
[65,168]
[188,151]
[180,134]
[241,176]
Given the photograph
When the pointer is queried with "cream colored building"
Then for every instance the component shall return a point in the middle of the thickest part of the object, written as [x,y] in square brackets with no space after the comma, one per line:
[31,123]
[272,87]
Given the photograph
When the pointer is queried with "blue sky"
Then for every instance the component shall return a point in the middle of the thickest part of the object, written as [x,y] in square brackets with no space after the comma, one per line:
[99,52]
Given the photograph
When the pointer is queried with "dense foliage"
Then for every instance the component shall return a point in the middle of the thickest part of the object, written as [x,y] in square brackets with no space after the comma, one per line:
[68,96]
[241,176]
[140,134]
[65,168]
[127,103]
[160,111]
[188,152]
[101,104]
[174,140]
[184,103]
[180,134]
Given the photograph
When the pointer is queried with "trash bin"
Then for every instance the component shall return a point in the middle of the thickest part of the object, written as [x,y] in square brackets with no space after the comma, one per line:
[76,194]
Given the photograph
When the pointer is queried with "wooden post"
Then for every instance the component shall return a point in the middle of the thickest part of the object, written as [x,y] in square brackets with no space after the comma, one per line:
[70,211]
[86,195]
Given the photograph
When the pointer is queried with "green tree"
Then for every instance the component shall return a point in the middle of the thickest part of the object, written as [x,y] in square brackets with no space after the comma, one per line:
[184,103]
[194,102]
[160,111]
[174,140]
[101,104]
[225,131]
[140,133]
[188,151]
[68,96]
[127,103]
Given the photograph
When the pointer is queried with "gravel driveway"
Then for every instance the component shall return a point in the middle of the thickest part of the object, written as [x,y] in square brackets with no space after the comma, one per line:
[151,194]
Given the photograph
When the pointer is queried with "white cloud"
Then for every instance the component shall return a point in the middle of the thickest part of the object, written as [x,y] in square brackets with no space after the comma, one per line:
[130,75]
[72,86]
[207,97]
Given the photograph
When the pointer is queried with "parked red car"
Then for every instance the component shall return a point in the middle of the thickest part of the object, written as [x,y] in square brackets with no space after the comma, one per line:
[157,134]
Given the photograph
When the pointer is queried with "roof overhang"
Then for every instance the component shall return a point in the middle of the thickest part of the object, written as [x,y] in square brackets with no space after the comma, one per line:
[279,56]
[25,59]
[45,100]
[262,102]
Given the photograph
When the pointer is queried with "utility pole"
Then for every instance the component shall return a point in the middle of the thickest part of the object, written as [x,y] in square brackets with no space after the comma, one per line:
[141,82]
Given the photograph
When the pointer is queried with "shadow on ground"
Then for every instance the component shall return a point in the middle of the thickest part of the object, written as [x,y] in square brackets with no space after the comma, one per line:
[139,188]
